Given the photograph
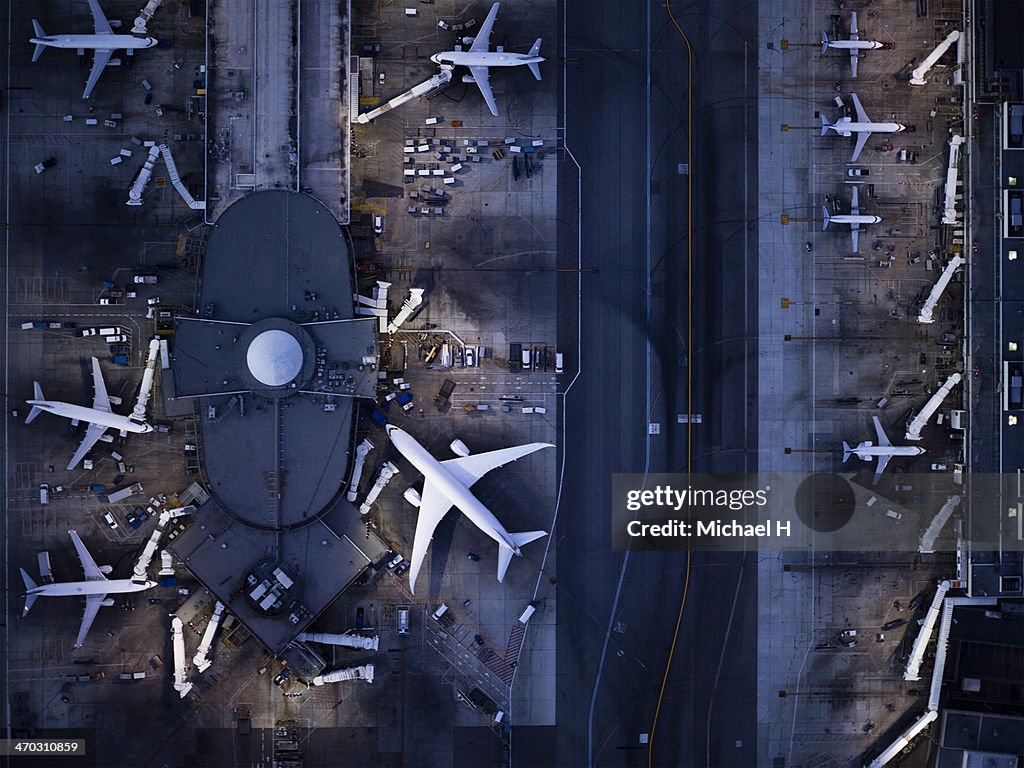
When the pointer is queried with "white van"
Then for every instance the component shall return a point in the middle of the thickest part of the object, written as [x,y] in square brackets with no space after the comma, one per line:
[558,362]
[403,619]
[526,359]
[44,494]
[531,608]
[440,611]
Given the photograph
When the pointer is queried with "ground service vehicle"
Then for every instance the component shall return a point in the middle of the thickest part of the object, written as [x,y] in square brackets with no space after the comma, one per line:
[441,400]
[515,358]
[403,619]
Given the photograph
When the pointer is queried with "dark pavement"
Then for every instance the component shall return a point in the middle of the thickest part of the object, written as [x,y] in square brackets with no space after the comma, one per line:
[643,360]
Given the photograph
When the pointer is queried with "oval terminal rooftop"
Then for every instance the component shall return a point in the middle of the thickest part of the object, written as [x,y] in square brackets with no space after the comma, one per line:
[273,358]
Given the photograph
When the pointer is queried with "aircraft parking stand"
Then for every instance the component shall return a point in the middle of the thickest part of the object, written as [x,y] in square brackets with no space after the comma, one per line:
[838,334]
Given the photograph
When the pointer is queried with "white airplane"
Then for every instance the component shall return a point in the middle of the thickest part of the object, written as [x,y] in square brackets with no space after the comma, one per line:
[479,59]
[94,589]
[99,418]
[884,451]
[103,42]
[854,218]
[854,45]
[862,126]
[446,484]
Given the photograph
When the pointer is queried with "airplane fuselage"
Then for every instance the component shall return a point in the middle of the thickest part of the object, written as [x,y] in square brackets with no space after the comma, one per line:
[845,126]
[484,59]
[855,45]
[859,218]
[86,588]
[868,452]
[91,416]
[456,492]
[95,42]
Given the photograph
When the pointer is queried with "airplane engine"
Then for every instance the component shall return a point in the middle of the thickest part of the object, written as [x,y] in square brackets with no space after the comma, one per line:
[468,40]
[104,438]
[459,448]
[108,602]
[106,568]
[412,496]
[468,79]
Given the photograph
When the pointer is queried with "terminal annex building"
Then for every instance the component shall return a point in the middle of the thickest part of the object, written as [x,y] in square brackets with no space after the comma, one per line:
[272,365]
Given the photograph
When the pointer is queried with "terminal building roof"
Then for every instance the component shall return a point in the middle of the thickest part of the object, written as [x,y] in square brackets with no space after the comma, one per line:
[274,361]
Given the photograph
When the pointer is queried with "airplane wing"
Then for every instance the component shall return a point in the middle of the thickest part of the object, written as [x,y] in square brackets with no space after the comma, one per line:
[100,24]
[92,607]
[862,116]
[482,41]
[434,505]
[853,62]
[854,34]
[92,434]
[862,139]
[882,461]
[92,571]
[882,437]
[100,401]
[468,469]
[99,62]
[480,75]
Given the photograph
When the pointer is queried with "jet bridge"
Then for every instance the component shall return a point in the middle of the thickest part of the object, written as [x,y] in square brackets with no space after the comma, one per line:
[362,450]
[917,76]
[345,640]
[928,310]
[181,684]
[387,472]
[912,672]
[919,422]
[364,672]
[928,539]
[439,80]
[202,663]
[952,171]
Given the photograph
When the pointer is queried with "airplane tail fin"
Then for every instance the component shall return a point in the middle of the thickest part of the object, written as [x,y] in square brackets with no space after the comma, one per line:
[825,125]
[29,586]
[38,396]
[535,51]
[824,43]
[39,33]
[847,451]
[827,218]
[505,553]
